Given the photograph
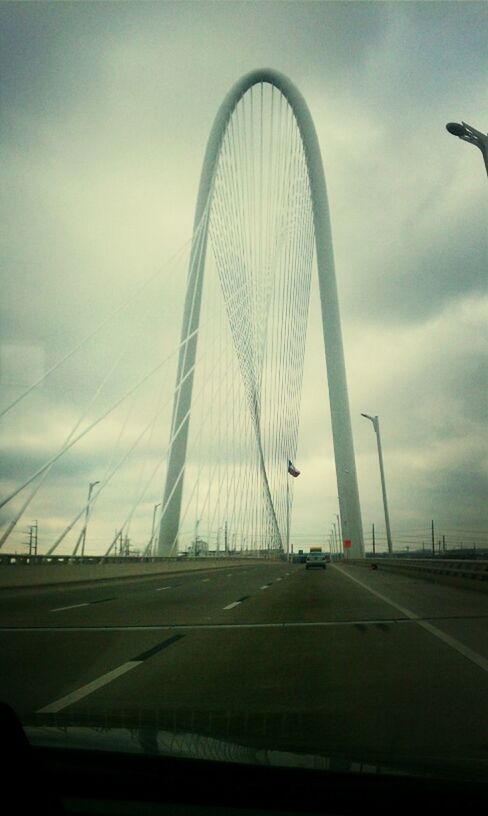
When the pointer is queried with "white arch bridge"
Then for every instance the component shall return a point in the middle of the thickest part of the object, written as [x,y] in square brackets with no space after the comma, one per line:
[261,222]
[263,203]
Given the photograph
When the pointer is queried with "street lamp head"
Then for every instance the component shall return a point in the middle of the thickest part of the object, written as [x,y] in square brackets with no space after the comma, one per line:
[467,133]
[456,129]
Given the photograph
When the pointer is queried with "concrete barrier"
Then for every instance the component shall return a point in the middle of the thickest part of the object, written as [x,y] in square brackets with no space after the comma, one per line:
[463,573]
[17,576]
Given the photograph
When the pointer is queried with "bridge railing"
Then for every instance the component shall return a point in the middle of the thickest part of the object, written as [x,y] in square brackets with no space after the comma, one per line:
[461,572]
[74,560]
[17,572]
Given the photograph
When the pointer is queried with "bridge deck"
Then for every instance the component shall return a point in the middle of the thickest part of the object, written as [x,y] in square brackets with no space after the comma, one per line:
[366,665]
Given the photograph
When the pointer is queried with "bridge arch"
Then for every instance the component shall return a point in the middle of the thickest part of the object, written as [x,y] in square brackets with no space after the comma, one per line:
[336,372]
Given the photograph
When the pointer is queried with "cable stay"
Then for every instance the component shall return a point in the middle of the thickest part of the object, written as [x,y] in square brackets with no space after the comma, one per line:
[108,477]
[106,320]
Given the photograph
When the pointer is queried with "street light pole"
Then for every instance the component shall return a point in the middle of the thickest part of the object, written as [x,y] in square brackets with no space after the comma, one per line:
[339,527]
[87,513]
[469,134]
[151,542]
[336,538]
[376,425]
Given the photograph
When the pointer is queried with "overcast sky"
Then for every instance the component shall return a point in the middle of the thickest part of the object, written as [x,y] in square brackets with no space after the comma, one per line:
[106,109]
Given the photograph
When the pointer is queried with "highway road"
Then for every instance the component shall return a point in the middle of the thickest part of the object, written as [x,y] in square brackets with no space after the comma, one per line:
[352,663]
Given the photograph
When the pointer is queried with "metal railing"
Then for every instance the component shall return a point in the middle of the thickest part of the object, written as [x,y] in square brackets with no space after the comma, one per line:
[475,570]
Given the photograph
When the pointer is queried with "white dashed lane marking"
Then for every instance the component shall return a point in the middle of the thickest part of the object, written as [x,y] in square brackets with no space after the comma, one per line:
[106,678]
[87,603]
[236,603]
[73,606]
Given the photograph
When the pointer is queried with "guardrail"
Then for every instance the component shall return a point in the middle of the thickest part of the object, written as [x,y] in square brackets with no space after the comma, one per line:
[464,573]
[20,572]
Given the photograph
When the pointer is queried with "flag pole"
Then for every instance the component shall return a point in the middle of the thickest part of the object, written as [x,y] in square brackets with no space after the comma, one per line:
[287,515]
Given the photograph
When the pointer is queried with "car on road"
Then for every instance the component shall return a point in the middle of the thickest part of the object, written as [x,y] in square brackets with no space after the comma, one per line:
[316,560]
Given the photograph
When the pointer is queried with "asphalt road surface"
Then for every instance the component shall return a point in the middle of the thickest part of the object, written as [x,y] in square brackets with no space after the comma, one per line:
[349,662]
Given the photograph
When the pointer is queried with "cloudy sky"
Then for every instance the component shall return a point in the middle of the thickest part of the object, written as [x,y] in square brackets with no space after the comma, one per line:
[106,109]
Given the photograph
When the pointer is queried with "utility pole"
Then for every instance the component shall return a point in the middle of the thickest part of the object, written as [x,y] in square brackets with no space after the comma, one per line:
[226,544]
[126,545]
[195,546]
[118,540]
[33,528]
[374,550]
[433,538]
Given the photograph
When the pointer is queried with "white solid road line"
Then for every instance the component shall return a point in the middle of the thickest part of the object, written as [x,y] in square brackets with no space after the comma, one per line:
[196,627]
[205,579]
[84,691]
[160,589]
[73,606]
[480,661]
[266,586]
[459,647]
[232,605]
[402,609]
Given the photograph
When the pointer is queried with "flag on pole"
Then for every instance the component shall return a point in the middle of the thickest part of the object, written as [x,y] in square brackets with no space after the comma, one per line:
[292,469]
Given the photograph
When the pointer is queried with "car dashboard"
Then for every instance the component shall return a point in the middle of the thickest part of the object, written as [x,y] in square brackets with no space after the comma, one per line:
[57,780]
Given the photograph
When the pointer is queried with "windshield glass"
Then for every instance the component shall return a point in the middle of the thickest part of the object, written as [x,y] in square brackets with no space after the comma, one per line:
[243,323]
